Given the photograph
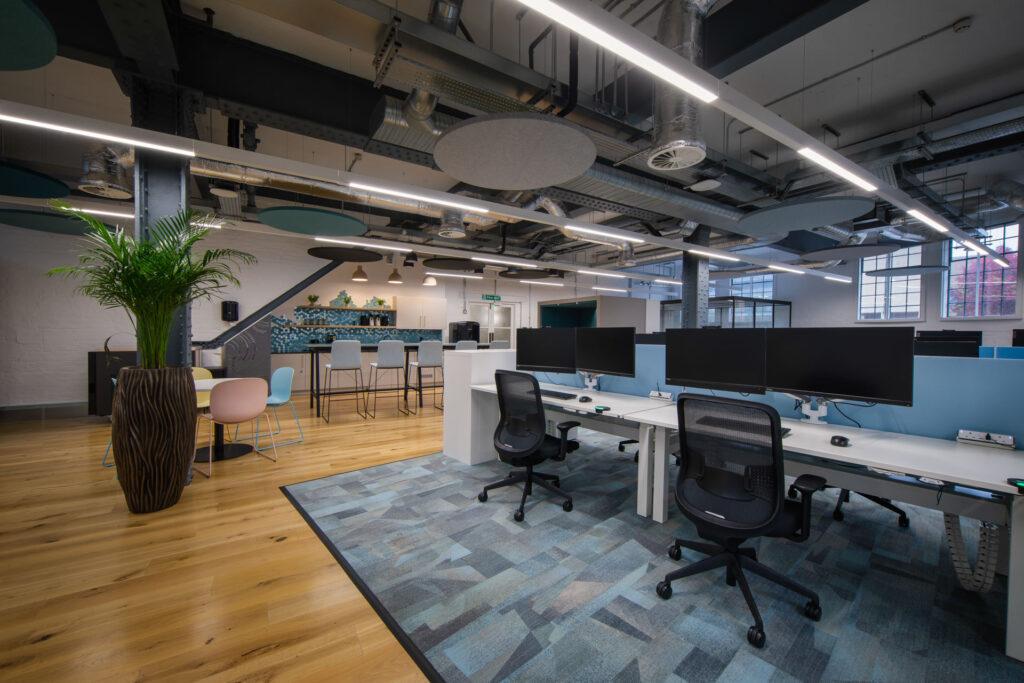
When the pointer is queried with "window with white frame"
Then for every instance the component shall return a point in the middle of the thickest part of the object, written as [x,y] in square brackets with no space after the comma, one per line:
[977,286]
[890,298]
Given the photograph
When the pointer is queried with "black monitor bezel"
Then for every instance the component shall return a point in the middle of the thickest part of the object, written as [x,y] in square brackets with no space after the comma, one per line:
[632,339]
[721,386]
[542,368]
[833,395]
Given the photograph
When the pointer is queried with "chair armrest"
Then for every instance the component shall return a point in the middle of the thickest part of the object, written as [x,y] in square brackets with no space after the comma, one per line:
[806,484]
[563,428]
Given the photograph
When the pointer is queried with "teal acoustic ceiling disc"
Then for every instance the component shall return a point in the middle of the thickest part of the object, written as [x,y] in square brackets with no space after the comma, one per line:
[47,221]
[27,40]
[16,181]
[312,221]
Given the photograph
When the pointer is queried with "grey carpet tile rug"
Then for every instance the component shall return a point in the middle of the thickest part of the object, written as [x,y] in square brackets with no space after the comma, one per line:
[569,596]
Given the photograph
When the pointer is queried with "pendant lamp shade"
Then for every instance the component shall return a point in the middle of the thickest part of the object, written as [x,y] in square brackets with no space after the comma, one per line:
[359,275]
[394,278]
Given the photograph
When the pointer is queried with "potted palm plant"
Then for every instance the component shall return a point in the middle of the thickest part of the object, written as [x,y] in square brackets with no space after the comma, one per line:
[154,408]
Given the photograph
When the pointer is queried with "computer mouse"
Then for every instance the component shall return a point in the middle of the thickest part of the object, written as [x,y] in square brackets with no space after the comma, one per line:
[838,440]
[585,399]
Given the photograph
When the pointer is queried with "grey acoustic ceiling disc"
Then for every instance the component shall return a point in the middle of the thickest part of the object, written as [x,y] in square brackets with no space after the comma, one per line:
[525,274]
[803,214]
[725,274]
[46,221]
[447,263]
[515,151]
[906,270]
[345,254]
[309,220]
[853,251]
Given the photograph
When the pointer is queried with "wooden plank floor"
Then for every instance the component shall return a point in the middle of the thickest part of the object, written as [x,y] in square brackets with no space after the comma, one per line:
[229,584]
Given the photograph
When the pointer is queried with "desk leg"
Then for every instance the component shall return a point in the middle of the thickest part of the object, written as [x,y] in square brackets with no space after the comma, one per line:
[643,475]
[1015,583]
[659,501]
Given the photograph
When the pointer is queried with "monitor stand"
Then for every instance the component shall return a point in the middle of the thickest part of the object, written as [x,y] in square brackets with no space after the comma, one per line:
[590,380]
[814,409]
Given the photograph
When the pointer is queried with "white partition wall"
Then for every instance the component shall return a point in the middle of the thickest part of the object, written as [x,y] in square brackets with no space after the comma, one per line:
[466,414]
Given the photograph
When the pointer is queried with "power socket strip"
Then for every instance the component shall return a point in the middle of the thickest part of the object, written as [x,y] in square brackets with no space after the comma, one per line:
[666,395]
[986,438]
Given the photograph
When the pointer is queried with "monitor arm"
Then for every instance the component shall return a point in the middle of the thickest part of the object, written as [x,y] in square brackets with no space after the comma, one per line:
[590,380]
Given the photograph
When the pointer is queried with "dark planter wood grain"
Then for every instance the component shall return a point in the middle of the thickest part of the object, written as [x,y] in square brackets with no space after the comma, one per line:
[154,431]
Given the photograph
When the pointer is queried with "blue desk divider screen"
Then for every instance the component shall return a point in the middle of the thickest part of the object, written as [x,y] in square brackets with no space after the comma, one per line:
[1015,352]
[949,393]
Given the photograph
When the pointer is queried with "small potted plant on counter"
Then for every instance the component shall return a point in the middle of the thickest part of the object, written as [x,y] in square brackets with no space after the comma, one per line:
[154,407]
[312,299]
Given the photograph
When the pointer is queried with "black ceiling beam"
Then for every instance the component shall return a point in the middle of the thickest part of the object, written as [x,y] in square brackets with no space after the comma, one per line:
[142,35]
[746,30]
[983,150]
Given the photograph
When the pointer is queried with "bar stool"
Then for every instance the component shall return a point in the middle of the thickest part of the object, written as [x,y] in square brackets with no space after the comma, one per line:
[390,356]
[465,345]
[346,356]
[430,354]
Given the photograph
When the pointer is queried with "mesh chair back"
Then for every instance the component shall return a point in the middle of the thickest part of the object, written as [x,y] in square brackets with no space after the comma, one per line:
[346,354]
[521,427]
[281,386]
[732,471]
[465,345]
[391,354]
[498,344]
[430,354]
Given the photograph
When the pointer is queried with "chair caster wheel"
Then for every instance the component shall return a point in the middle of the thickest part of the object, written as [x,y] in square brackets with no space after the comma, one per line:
[567,506]
[664,590]
[837,515]
[812,611]
[904,522]
[675,552]
[755,637]
[482,497]
[518,515]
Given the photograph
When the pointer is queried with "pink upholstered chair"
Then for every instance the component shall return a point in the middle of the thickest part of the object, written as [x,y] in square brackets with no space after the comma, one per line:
[234,402]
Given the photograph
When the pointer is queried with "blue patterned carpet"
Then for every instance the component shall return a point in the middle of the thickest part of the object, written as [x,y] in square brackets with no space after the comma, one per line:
[569,596]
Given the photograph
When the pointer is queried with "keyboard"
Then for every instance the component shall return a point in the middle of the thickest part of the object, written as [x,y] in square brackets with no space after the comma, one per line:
[556,394]
[735,425]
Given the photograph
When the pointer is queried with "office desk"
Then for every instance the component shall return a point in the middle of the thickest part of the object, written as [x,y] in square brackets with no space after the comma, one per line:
[620,419]
[888,464]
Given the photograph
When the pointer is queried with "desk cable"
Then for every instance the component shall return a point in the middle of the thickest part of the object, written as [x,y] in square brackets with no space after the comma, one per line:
[979,579]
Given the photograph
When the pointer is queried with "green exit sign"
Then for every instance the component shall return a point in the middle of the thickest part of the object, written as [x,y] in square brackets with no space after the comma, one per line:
[490,297]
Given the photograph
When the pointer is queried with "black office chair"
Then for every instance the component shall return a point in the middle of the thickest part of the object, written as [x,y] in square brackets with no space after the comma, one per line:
[730,486]
[844,497]
[521,441]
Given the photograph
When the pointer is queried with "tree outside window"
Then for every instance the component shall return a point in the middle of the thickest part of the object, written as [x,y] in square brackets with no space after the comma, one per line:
[977,286]
[890,298]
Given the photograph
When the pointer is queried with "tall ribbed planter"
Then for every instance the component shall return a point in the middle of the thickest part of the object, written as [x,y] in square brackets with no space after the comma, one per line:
[154,431]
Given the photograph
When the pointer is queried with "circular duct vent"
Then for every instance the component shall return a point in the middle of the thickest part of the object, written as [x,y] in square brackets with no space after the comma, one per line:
[445,263]
[105,188]
[452,226]
[677,154]
[525,274]
[105,176]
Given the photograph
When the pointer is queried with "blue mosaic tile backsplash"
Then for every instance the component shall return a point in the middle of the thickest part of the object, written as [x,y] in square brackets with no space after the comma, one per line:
[294,339]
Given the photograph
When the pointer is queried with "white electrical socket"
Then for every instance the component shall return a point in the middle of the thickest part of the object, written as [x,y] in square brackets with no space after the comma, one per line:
[985,438]
[667,395]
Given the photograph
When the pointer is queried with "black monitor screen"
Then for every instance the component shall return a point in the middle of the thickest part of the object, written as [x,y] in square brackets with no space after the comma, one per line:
[875,365]
[726,359]
[973,336]
[1018,338]
[932,347]
[606,350]
[546,349]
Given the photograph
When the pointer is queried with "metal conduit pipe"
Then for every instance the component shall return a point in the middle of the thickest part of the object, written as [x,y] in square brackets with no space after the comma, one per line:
[320,188]
[951,143]
[545,203]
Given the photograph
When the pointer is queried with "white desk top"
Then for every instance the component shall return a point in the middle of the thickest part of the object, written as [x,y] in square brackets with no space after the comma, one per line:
[209,384]
[981,467]
[619,405]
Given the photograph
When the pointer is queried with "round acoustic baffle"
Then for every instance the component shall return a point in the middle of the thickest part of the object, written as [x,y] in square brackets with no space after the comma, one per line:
[46,221]
[16,181]
[515,151]
[350,254]
[803,214]
[725,274]
[446,263]
[853,251]
[27,40]
[907,270]
[308,220]
[525,274]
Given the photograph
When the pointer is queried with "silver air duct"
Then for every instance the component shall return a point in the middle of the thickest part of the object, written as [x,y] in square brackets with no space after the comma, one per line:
[1010,192]
[104,175]
[419,106]
[677,142]
[452,225]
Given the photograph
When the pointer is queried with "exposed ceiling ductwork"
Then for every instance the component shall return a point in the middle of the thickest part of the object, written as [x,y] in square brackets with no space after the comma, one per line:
[104,174]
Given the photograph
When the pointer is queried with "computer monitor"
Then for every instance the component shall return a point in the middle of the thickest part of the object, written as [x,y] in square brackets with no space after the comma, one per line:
[954,347]
[1018,338]
[864,364]
[606,350]
[714,358]
[546,349]
[950,335]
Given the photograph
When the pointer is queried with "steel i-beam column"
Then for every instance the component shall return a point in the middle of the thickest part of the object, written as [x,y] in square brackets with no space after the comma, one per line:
[695,281]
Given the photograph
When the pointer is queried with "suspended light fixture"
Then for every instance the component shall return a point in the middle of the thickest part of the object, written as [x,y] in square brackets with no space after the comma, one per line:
[430,281]
[359,275]
[395,278]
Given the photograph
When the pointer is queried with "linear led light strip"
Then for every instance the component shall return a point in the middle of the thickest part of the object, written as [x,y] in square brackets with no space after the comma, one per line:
[465,277]
[118,214]
[97,135]
[361,244]
[546,284]
[863,184]
[774,266]
[600,274]
[844,280]
[669,282]
[609,289]
[608,235]
[417,197]
[504,262]
[710,255]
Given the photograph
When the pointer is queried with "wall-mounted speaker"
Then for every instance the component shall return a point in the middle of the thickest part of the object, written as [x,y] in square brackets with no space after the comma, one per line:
[229,311]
